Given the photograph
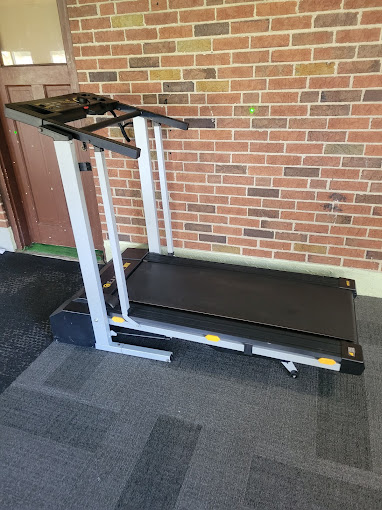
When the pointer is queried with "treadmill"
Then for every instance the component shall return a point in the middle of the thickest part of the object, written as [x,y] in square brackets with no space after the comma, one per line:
[144,297]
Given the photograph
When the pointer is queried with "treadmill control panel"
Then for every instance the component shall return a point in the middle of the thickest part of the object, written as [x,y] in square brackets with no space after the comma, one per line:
[68,107]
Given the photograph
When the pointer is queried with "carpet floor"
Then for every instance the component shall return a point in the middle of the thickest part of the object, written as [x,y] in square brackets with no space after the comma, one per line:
[82,429]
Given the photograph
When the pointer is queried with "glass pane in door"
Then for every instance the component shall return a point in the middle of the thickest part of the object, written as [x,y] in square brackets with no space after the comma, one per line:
[30,33]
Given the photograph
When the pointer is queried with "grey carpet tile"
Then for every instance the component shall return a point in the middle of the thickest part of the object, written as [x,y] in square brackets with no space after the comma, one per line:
[62,420]
[75,370]
[342,403]
[31,288]
[273,485]
[37,473]
[369,309]
[218,473]
[158,475]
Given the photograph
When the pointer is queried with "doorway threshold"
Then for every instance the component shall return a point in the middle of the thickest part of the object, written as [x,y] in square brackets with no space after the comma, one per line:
[58,252]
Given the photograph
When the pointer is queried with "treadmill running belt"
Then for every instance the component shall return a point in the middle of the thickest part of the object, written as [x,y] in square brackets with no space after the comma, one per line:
[278,302]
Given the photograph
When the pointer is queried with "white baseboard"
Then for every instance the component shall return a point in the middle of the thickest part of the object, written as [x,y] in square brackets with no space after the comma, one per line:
[7,241]
[368,283]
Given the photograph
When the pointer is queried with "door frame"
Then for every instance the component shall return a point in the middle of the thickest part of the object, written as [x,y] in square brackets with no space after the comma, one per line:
[8,185]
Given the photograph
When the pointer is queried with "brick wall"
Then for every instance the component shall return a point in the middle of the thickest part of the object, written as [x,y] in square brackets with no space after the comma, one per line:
[284,99]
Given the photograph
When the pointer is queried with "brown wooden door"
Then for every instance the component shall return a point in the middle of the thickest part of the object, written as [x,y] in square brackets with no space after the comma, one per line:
[33,159]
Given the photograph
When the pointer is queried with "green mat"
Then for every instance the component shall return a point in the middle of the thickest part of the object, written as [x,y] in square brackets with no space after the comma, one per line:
[58,251]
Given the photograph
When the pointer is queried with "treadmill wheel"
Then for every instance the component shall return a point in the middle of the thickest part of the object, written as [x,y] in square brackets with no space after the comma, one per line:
[294,374]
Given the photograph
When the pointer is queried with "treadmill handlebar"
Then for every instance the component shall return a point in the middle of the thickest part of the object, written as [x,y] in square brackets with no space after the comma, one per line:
[52,114]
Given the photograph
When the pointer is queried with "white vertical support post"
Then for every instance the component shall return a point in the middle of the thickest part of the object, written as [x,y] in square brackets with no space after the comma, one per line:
[112,231]
[164,187]
[75,200]
[147,183]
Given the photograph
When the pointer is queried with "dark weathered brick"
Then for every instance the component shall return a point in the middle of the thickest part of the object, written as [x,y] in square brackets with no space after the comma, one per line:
[127,192]
[150,99]
[178,86]
[343,148]
[263,213]
[374,255]
[231,169]
[362,162]
[336,20]
[370,51]
[138,221]
[264,192]
[326,136]
[332,110]
[265,234]
[373,95]
[377,211]
[135,62]
[173,98]
[368,199]
[359,66]
[204,208]
[301,171]
[207,73]
[340,96]
[198,227]
[309,96]
[159,47]
[205,29]
[208,238]
[201,123]
[102,76]
[269,123]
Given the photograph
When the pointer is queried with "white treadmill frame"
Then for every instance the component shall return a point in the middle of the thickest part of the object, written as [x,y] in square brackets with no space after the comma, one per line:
[101,321]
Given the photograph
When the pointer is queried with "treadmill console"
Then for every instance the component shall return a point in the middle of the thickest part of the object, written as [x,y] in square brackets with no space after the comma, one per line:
[52,114]
[65,108]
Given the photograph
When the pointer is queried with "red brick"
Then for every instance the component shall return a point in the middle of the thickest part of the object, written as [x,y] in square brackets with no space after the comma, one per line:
[291,23]
[236,72]
[105,9]
[95,23]
[230,13]
[367,109]
[250,57]
[279,97]
[322,5]
[359,4]
[126,49]
[141,34]
[329,82]
[247,85]
[132,6]
[265,71]
[83,37]
[276,8]
[298,82]
[231,43]
[323,259]
[95,51]
[82,11]
[176,32]
[304,148]
[352,123]
[250,26]
[371,18]
[312,38]
[184,4]
[191,16]
[112,63]
[165,18]
[270,41]
[287,135]
[292,55]
[358,35]
[289,110]
[209,59]
[109,36]
[334,53]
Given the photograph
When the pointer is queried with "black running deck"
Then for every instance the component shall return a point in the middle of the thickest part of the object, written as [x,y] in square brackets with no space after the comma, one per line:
[264,297]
